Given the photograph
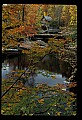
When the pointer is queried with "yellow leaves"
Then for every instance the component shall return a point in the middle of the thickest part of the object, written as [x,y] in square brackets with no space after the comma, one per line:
[28,21]
[45,14]
[17,75]
[2,111]
[23,88]
[55,45]
[21,28]
[20,91]
[16,30]
[9,105]
[41,101]
[62,53]
[5,109]
[8,108]
[73,14]
[25,51]
[74,113]
[30,114]
[20,84]
[3,97]
[66,108]
[69,104]
[48,113]
[5,16]
[3,79]
[21,71]
[53,77]
[58,113]
[72,98]
[13,42]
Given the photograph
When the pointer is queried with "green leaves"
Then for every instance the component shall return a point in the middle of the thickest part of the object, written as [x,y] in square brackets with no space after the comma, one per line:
[52,102]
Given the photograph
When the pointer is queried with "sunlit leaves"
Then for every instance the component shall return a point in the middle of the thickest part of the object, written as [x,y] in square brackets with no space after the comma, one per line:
[73,14]
[58,113]
[73,84]
[53,76]
[30,101]
[45,99]
[65,14]
[56,45]
[12,23]
[2,111]
[41,101]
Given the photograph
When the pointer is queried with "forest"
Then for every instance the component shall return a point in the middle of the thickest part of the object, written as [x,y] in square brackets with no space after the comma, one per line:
[39,60]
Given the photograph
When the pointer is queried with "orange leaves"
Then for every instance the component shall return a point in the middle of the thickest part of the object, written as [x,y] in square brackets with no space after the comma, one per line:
[5,16]
[41,101]
[25,51]
[13,42]
[12,17]
[9,105]
[21,28]
[73,84]
[60,86]
[16,30]
[16,75]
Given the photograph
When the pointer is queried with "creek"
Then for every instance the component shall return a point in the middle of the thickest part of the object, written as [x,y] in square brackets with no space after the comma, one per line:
[50,70]
[48,98]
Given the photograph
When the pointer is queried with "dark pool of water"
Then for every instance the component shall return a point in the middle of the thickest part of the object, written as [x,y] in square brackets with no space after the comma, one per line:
[50,70]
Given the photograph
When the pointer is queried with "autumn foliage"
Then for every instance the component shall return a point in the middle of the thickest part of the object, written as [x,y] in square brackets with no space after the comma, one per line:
[21,21]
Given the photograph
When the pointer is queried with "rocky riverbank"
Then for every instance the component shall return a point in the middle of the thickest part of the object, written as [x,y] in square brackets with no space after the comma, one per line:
[70,56]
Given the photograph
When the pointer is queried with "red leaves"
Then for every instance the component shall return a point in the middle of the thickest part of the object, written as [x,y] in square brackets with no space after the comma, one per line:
[60,86]
[73,84]
[12,17]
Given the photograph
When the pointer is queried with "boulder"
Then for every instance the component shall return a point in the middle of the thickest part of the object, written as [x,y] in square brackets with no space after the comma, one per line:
[42,43]
[55,30]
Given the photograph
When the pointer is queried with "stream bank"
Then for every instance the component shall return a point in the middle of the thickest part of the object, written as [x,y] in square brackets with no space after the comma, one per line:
[70,56]
[44,104]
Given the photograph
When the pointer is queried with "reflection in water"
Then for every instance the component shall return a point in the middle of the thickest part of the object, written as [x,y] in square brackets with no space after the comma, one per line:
[49,65]
[48,80]
[53,64]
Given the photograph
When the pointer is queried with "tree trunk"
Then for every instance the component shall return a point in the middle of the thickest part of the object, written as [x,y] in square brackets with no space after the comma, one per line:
[23,13]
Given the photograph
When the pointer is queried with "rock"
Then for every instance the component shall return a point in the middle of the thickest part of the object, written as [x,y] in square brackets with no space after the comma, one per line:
[75,70]
[26,45]
[55,30]
[42,43]
[45,58]
[60,37]
[29,45]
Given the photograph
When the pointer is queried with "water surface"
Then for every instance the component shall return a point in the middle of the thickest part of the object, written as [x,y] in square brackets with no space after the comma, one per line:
[50,70]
